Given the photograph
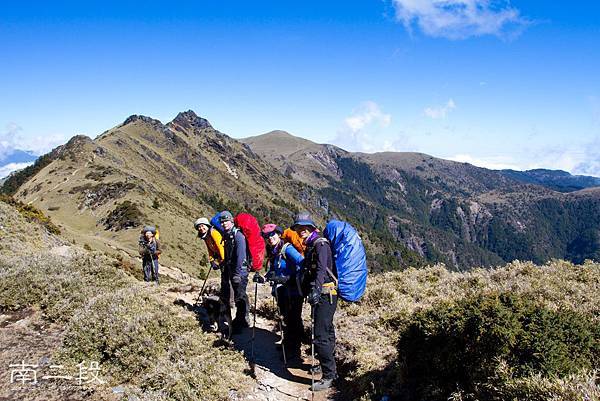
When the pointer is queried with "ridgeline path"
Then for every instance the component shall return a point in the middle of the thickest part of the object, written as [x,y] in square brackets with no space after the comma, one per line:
[273,381]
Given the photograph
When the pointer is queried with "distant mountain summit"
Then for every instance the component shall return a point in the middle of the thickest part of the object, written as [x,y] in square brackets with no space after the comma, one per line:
[18,156]
[557,180]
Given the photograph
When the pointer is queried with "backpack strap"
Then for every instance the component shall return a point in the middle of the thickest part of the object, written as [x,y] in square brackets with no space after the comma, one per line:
[325,240]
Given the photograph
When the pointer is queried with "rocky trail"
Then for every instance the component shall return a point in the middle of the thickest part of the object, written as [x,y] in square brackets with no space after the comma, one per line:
[274,382]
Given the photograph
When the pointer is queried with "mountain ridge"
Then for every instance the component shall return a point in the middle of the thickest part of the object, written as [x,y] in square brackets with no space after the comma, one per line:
[411,208]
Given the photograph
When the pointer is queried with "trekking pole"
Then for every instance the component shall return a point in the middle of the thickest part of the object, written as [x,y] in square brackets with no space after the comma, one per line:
[312,352]
[203,284]
[254,324]
[280,327]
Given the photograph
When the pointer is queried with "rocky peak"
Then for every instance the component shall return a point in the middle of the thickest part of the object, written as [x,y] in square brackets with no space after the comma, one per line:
[135,117]
[189,119]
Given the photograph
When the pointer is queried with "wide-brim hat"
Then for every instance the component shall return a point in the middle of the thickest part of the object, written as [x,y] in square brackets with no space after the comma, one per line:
[202,220]
[303,219]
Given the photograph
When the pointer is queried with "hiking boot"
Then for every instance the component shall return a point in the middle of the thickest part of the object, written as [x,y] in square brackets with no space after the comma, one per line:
[322,384]
[237,326]
[294,361]
[316,369]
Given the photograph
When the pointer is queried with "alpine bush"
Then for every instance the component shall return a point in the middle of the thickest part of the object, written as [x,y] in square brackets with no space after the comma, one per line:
[459,345]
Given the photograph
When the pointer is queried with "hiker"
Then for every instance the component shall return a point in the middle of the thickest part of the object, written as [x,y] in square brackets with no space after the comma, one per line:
[320,290]
[285,262]
[213,240]
[149,248]
[235,272]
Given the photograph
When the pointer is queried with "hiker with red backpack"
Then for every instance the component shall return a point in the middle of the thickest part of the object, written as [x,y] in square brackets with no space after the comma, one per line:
[235,272]
[319,286]
[284,268]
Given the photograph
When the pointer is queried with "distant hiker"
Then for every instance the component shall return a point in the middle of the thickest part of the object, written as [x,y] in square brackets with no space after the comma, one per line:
[319,288]
[149,248]
[235,272]
[284,266]
[213,240]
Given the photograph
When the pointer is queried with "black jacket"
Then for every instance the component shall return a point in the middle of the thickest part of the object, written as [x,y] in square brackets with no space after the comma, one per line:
[236,257]
[317,260]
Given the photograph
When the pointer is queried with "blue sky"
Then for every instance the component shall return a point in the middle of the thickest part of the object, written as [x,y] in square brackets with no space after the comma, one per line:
[493,83]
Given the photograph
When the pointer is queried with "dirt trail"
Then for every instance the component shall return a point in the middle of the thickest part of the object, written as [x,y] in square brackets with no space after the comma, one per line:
[274,382]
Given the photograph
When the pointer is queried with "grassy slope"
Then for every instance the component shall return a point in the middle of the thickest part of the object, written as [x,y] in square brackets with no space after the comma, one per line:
[369,332]
[140,340]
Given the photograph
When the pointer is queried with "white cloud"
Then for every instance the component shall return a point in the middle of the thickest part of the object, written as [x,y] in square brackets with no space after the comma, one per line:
[10,167]
[577,159]
[493,163]
[460,19]
[12,138]
[589,163]
[359,130]
[8,139]
[438,112]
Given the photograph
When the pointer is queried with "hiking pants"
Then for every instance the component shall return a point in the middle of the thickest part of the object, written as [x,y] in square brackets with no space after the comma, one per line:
[240,298]
[325,335]
[150,267]
[291,308]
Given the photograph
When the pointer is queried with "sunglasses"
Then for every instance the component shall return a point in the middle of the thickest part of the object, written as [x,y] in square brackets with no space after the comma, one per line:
[270,234]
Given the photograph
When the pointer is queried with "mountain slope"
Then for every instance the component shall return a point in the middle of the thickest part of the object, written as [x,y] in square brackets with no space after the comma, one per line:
[410,208]
[142,171]
[451,212]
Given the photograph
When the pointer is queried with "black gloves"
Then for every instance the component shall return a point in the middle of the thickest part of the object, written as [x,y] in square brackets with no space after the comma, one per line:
[236,279]
[258,278]
[269,276]
[214,265]
[314,297]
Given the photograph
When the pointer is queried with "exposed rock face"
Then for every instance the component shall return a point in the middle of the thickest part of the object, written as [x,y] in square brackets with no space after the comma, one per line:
[189,120]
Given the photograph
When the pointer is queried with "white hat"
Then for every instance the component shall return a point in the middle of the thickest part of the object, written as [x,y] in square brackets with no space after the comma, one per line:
[202,220]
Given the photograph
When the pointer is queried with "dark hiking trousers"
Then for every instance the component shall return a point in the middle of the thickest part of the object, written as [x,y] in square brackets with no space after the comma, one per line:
[240,298]
[325,335]
[150,267]
[291,309]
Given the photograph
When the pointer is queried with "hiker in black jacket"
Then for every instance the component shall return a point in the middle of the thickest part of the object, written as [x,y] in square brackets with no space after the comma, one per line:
[321,293]
[235,271]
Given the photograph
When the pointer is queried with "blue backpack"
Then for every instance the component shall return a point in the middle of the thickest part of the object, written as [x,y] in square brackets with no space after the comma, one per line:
[350,259]
[216,223]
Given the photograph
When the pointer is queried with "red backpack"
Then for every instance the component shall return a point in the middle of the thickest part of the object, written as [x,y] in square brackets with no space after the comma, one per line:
[254,240]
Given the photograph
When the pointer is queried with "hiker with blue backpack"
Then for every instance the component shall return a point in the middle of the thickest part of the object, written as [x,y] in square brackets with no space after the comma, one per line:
[321,293]
[235,272]
[284,268]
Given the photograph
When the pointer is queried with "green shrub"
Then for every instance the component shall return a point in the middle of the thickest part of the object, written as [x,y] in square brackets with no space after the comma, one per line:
[32,214]
[125,215]
[139,340]
[56,284]
[460,345]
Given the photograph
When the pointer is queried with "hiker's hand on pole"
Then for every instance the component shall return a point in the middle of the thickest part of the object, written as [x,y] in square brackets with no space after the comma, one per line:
[258,278]
[314,297]
[214,265]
